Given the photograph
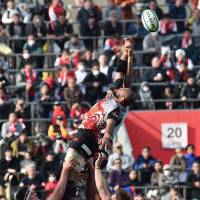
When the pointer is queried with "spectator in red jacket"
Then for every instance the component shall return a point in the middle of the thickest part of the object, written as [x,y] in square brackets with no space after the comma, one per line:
[64,58]
[50,185]
[58,111]
[77,111]
[56,9]
[63,77]
[167,25]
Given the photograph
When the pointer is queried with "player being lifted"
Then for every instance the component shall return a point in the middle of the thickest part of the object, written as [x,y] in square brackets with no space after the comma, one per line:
[106,114]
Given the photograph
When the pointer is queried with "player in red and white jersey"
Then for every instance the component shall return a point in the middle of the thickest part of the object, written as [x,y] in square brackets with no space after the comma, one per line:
[105,114]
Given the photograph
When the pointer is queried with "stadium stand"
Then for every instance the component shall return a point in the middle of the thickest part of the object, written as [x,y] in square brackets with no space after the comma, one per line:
[54,67]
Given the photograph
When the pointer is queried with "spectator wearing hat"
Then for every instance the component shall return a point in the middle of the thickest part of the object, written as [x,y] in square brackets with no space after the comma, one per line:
[111,7]
[193,181]
[181,58]
[144,163]
[190,91]
[190,156]
[7,15]
[178,12]
[145,95]
[127,161]
[118,177]
[112,25]
[58,111]
[58,129]
[21,145]
[165,58]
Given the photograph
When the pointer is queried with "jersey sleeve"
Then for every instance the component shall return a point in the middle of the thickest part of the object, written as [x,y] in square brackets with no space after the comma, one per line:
[114,115]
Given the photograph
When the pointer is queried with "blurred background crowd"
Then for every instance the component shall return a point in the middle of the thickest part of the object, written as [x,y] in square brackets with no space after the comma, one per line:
[56,60]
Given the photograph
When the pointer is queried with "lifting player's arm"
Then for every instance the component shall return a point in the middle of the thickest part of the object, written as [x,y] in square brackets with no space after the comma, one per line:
[99,180]
[59,191]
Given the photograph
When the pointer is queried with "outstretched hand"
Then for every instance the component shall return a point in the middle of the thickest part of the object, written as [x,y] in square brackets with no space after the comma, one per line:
[128,44]
[68,165]
[100,159]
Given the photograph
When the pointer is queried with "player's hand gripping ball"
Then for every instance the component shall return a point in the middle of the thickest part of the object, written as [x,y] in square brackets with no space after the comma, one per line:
[150,20]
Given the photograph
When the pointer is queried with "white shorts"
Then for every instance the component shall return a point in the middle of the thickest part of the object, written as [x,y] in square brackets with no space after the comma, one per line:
[74,155]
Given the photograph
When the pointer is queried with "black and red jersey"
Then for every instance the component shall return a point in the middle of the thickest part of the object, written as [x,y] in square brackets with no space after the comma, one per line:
[107,108]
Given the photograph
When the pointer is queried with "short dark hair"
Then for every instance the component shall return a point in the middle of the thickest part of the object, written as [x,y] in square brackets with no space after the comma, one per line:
[122,194]
[74,35]
[190,145]
[146,147]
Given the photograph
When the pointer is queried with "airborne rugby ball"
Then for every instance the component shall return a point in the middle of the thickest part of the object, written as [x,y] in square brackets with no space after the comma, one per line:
[150,20]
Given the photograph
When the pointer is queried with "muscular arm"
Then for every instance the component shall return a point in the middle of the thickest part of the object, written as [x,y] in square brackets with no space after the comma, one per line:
[59,191]
[101,185]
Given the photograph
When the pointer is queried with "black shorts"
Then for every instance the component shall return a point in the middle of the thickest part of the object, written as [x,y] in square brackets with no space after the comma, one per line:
[85,143]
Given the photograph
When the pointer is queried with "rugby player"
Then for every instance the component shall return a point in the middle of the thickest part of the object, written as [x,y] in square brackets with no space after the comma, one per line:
[105,115]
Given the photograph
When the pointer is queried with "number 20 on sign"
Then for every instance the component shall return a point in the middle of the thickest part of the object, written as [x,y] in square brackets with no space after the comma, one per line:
[174,135]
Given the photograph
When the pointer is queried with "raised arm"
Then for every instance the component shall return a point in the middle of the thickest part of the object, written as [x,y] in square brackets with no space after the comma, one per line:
[99,180]
[124,70]
[59,191]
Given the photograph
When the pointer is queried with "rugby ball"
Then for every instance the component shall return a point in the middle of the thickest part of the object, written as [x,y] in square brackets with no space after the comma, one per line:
[150,20]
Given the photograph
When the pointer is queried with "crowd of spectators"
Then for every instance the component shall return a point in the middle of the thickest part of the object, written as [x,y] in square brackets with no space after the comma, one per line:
[53,70]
